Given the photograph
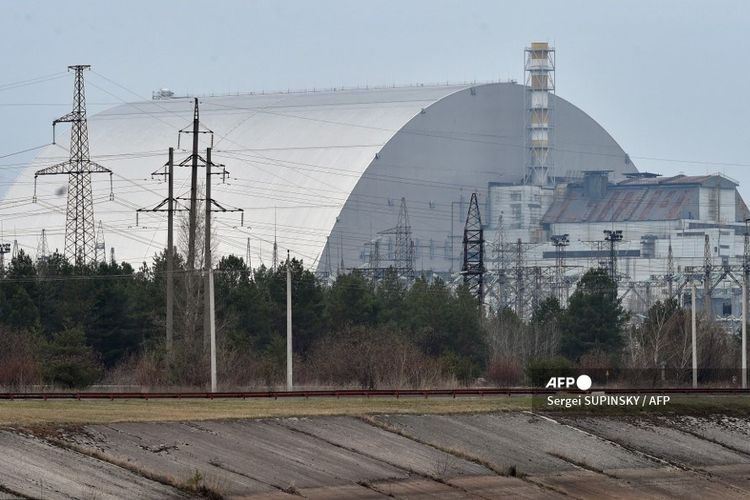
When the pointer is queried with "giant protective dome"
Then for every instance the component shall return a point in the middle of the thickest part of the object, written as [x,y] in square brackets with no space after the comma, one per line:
[312,167]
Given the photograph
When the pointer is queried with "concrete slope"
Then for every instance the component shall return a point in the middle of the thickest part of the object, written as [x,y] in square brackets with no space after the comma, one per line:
[33,468]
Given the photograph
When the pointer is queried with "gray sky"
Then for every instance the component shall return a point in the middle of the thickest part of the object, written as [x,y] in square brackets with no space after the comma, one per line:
[665,78]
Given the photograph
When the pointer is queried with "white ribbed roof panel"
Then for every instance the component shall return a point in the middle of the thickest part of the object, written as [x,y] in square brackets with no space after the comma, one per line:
[292,157]
[308,162]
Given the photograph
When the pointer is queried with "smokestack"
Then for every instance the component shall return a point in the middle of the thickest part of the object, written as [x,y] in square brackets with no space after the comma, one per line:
[539,73]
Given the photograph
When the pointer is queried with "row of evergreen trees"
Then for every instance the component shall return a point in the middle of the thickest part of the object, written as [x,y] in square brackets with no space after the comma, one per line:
[100,315]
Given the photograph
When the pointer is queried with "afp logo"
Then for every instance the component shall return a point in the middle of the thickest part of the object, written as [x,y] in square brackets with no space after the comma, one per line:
[583,383]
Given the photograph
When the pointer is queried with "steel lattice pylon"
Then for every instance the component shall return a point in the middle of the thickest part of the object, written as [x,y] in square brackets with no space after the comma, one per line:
[403,259]
[80,230]
[473,266]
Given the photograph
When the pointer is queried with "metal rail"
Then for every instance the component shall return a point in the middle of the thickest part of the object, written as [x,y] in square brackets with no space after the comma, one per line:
[360,393]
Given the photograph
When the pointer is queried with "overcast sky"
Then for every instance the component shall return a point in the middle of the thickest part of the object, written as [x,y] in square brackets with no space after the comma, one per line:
[667,79]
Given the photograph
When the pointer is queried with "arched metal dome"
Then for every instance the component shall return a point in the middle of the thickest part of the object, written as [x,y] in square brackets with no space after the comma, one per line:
[314,167]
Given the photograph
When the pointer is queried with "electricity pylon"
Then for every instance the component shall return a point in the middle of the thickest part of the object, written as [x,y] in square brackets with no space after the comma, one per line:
[473,265]
[404,252]
[100,249]
[80,233]
[42,248]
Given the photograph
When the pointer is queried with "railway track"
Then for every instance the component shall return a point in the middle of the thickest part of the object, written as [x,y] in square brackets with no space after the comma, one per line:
[357,393]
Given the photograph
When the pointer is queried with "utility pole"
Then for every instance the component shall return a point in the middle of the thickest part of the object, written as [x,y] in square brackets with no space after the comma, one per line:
[289,367]
[210,311]
[208,295]
[745,278]
[212,322]
[209,317]
[211,206]
[707,270]
[169,203]
[744,331]
[694,334]
[79,218]
[193,190]
[170,253]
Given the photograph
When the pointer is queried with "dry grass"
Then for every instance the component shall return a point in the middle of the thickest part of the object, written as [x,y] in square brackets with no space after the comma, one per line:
[71,412]
[695,405]
[22,413]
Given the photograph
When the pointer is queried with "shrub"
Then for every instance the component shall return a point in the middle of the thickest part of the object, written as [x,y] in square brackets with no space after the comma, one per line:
[69,362]
[19,359]
[370,358]
[540,370]
[505,371]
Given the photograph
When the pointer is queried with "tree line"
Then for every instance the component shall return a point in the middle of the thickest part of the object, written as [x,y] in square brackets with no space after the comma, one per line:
[75,325]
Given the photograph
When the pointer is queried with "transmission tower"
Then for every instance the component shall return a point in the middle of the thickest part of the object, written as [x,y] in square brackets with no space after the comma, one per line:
[473,265]
[537,293]
[341,268]
[4,249]
[14,252]
[324,274]
[613,237]
[100,249]
[404,251]
[373,259]
[670,270]
[79,219]
[194,129]
[560,242]
[42,248]
[520,286]
[498,283]
[275,259]
[248,258]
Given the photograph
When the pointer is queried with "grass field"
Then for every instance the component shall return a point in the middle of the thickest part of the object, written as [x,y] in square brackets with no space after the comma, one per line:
[85,412]
[72,412]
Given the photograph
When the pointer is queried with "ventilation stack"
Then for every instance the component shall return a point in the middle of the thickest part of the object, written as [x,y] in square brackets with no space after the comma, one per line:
[539,76]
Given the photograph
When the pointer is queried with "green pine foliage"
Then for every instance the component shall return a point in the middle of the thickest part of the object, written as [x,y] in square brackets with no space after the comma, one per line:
[594,319]
[97,317]
[68,361]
